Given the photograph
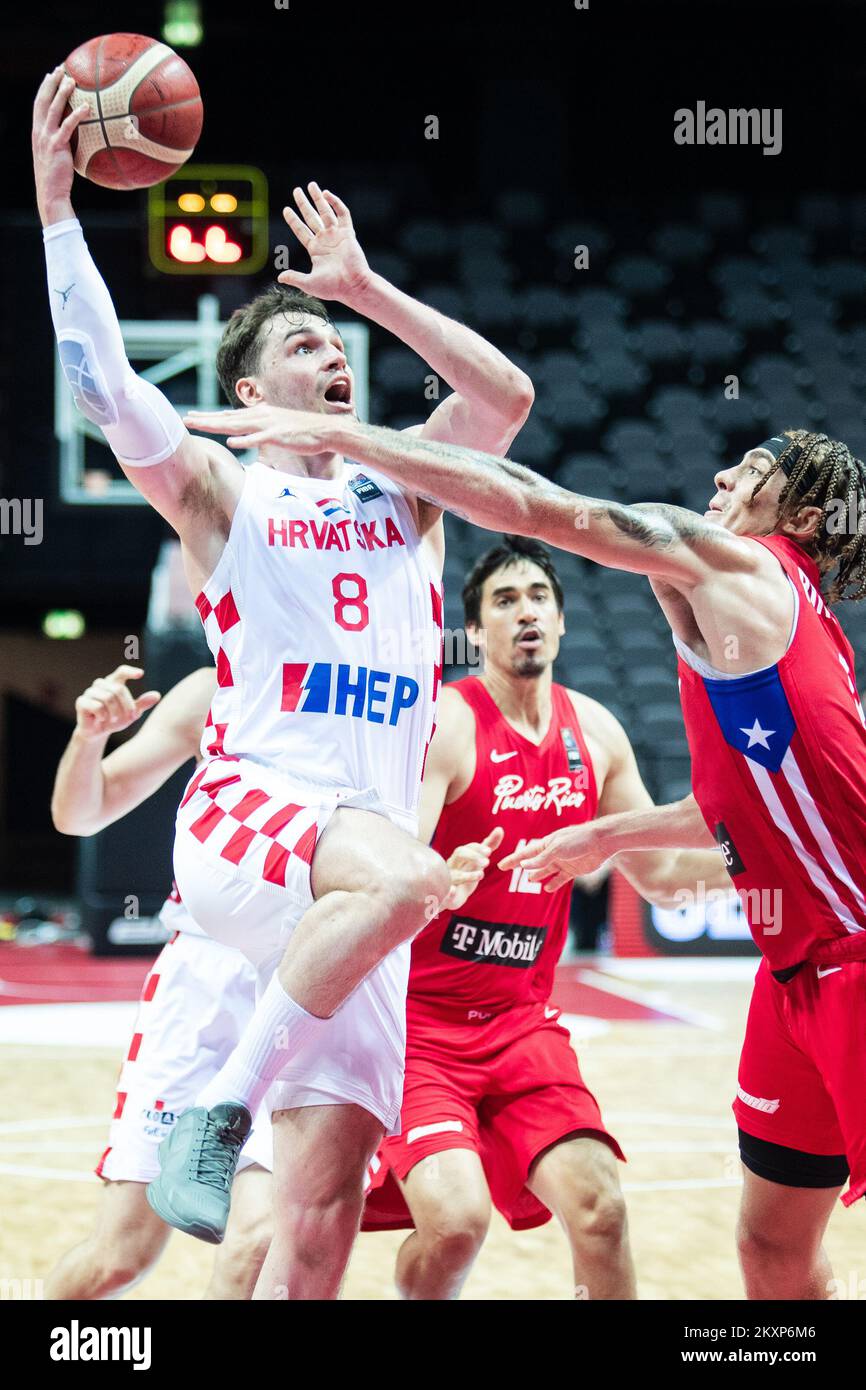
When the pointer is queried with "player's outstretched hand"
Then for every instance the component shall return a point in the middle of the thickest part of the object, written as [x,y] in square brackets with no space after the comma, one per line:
[52,132]
[298,431]
[468,864]
[107,706]
[560,857]
[339,266]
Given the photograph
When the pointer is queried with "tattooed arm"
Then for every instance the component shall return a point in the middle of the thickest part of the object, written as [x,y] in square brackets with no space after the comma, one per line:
[664,542]
[655,539]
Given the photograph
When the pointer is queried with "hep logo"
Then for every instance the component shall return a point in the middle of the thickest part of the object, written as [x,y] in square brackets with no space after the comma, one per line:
[356,691]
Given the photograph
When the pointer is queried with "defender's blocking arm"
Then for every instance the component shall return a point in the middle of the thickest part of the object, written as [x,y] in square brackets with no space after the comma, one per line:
[661,850]
[648,538]
[654,539]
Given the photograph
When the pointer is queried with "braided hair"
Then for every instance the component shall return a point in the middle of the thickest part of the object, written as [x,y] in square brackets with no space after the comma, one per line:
[822,472]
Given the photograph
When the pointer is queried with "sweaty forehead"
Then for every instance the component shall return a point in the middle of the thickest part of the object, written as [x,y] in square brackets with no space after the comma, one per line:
[294,324]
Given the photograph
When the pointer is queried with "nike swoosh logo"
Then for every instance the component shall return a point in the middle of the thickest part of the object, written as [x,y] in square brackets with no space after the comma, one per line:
[501,757]
[551,1013]
[831,970]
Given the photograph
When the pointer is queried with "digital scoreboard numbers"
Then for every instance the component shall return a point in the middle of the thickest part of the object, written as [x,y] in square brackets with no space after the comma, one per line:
[209,219]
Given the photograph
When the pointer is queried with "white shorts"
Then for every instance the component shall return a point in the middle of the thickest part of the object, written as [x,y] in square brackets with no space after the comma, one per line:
[242,854]
[195,1003]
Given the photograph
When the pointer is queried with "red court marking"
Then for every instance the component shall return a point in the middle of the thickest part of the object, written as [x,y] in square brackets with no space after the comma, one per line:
[63,974]
[575,996]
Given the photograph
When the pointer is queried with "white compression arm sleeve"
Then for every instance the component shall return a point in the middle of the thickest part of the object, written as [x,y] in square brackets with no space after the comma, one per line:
[140,425]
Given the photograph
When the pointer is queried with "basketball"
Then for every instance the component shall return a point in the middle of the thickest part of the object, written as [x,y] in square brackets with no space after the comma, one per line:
[147,110]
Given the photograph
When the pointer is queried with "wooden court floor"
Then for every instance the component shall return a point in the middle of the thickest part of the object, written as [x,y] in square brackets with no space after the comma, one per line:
[665,1089]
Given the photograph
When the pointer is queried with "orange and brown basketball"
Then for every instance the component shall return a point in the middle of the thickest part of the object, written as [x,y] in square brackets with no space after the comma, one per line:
[147,110]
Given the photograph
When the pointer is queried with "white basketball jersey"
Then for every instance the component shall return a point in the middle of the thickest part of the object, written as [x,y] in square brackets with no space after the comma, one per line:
[324,618]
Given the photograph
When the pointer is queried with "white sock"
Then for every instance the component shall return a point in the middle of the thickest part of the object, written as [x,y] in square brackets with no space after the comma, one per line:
[277,1030]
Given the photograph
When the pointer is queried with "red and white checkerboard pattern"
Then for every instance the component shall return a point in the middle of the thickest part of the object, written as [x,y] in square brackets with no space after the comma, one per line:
[246,826]
[126,1077]
[213,740]
[222,625]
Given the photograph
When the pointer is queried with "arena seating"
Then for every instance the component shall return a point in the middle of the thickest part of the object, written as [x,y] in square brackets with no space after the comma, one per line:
[632,360]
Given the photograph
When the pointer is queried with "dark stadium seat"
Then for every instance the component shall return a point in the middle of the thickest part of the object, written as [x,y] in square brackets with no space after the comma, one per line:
[640,275]
[722,212]
[660,341]
[426,239]
[711,340]
[681,242]
[521,208]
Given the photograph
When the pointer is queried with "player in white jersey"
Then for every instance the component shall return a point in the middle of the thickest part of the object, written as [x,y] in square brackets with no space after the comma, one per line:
[296,841]
[195,1002]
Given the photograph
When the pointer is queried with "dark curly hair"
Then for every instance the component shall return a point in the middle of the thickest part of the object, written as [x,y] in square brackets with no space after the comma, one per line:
[512,550]
[241,344]
[824,473]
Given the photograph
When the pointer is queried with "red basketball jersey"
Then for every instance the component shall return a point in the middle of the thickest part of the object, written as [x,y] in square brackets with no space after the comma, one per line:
[779,772]
[502,947]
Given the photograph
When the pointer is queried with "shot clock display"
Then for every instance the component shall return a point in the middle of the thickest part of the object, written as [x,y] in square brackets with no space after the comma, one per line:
[209,219]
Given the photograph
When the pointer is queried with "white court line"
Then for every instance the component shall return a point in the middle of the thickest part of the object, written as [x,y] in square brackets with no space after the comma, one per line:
[651,1146]
[642,1117]
[31,1146]
[666,1049]
[676,969]
[658,1146]
[14,1170]
[60,1122]
[682,1185]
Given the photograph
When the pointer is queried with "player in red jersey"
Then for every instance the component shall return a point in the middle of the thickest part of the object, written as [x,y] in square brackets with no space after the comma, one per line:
[494,1104]
[778,745]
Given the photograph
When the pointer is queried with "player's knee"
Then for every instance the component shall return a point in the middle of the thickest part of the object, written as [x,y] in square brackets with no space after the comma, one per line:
[456,1233]
[314,1226]
[414,884]
[598,1214]
[760,1243]
[125,1262]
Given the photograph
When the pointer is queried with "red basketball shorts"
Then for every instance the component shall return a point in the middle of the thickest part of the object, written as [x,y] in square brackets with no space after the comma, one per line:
[803,1064]
[507,1088]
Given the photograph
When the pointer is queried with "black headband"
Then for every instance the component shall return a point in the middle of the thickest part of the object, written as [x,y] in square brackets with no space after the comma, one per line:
[780,444]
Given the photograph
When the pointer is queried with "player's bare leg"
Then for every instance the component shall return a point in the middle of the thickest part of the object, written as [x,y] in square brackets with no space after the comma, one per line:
[450,1205]
[373,884]
[239,1259]
[779,1235]
[371,881]
[125,1244]
[578,1180]
[321,1154]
